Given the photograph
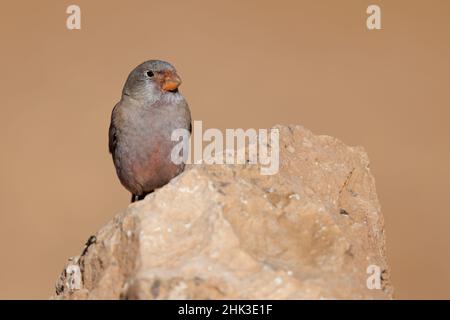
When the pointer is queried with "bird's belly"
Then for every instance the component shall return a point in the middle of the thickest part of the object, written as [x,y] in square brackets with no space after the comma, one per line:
[156,168]
[144,147]
[146,162]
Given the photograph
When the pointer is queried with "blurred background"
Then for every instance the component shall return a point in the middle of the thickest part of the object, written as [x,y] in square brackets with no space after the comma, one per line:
[243,64]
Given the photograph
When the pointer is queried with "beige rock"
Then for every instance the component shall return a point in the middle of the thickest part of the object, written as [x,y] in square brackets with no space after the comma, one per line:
[228,232]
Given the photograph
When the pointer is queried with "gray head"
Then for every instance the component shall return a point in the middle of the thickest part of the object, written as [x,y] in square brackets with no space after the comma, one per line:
[152,80]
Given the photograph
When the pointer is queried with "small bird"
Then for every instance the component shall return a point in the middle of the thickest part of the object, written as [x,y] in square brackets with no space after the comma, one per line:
[150,108]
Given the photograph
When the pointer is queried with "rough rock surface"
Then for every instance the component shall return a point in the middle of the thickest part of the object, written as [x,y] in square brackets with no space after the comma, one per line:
[228,232]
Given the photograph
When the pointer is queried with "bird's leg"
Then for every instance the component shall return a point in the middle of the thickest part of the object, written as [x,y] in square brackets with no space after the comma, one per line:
[136,197]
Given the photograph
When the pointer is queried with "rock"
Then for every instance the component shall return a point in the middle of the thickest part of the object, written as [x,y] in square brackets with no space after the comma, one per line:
[227,232]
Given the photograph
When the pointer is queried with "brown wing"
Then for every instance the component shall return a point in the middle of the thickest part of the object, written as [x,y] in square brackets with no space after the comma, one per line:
[112,134]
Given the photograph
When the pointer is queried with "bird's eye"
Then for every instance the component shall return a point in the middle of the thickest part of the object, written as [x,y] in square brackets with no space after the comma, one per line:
[150,74]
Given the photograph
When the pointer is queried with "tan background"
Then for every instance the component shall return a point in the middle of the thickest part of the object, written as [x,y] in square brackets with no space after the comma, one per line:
[244,64]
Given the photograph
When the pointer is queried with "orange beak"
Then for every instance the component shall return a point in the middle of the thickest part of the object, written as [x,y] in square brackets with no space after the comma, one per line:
[171,81]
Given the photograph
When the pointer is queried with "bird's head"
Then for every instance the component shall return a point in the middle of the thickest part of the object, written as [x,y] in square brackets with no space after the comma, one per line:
[152,80]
